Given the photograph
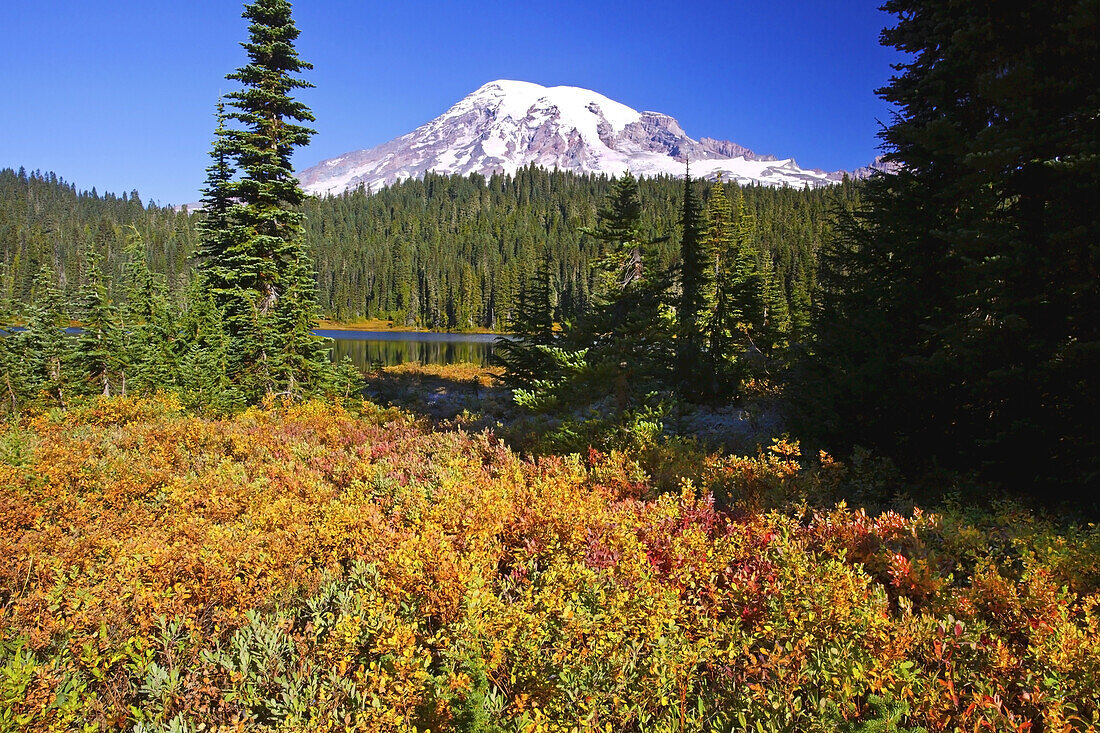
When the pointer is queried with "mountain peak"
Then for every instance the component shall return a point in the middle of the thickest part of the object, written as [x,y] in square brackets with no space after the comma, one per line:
[506,124]
[580,109]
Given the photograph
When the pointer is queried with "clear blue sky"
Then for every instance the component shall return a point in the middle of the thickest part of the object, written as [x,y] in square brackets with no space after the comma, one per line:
[120,95]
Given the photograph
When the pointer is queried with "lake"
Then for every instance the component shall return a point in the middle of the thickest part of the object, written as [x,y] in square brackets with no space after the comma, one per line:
[396,347]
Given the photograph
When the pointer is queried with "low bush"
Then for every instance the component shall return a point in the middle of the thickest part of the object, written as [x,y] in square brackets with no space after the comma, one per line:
[306,568]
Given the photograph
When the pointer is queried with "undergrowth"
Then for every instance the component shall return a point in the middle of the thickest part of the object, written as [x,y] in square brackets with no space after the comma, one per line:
[310,568]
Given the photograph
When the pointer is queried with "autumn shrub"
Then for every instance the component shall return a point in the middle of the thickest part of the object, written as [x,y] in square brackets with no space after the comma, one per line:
[309,567]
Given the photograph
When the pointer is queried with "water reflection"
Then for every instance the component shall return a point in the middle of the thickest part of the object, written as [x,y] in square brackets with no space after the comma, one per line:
[367,348]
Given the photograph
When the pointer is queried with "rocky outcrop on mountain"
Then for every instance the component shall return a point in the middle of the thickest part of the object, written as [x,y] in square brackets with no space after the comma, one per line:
[726,149]
[877,166]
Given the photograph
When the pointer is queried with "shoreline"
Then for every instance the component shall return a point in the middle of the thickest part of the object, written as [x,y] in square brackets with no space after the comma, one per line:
[378,324]
[372,324]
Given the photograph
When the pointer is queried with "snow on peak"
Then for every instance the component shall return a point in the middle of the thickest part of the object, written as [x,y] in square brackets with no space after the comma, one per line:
[517,99]
[526,103]
[506,124]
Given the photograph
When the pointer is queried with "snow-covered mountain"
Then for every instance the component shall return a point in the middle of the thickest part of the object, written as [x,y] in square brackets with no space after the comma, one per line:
[505,125]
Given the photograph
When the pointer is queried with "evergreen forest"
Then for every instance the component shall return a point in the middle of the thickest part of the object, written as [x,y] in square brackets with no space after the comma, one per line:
[445,252]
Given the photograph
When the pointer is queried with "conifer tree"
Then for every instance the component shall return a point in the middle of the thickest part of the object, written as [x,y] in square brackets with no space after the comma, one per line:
[300,358]
[45,347]
[718,238]
[99,358]
[744,293]
[958,311]
[775,326]
[751,317]
[621,264]
[523,352]
[800,309]
[626,330]
[216,225]
[204,364]
[148,322]
[255,257]
[696,279]
[719,242]
[12,367]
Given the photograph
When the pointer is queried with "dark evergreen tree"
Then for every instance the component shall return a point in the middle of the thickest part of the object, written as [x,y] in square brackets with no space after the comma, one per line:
[696,282]
[148,317]
[216,224]
[300,359]
[13,389]
[719,242]
[718,238]
[205,380]
[627,332]
[775,324]
[800,308]
[739,311]
[958,321]
[622,242]
[523,352]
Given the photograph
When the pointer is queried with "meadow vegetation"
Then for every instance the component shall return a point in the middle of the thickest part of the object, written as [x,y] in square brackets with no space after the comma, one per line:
[312,567]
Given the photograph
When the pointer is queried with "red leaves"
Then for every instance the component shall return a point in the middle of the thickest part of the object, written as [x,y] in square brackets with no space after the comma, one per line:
[547,572]
[900,569]
[597,555]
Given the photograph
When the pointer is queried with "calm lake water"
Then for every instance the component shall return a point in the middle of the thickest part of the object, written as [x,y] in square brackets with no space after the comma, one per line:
[396,347]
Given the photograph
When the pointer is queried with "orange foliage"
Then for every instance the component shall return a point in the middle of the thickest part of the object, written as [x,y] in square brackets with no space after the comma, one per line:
[303,567]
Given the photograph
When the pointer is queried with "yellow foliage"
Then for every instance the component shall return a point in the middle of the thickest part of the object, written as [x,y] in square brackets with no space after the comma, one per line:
[304,568]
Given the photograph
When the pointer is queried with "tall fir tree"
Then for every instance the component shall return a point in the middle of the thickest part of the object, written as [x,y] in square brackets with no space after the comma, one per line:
[204,363]
[99,361]
[619,233]
[800,308]
[775,324]
[216,224]
[255,258]
[958,311]
[696,281]
[148,316]
[720,244]
[718,239]
[627,331]
[13,376]
[739,308]
[44,345]
[523,352]
[301,361]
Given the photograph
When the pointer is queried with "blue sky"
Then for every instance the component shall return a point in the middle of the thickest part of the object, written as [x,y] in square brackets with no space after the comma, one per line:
[120,95]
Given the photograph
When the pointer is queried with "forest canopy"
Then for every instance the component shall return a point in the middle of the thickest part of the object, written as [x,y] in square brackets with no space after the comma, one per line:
[446,252]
